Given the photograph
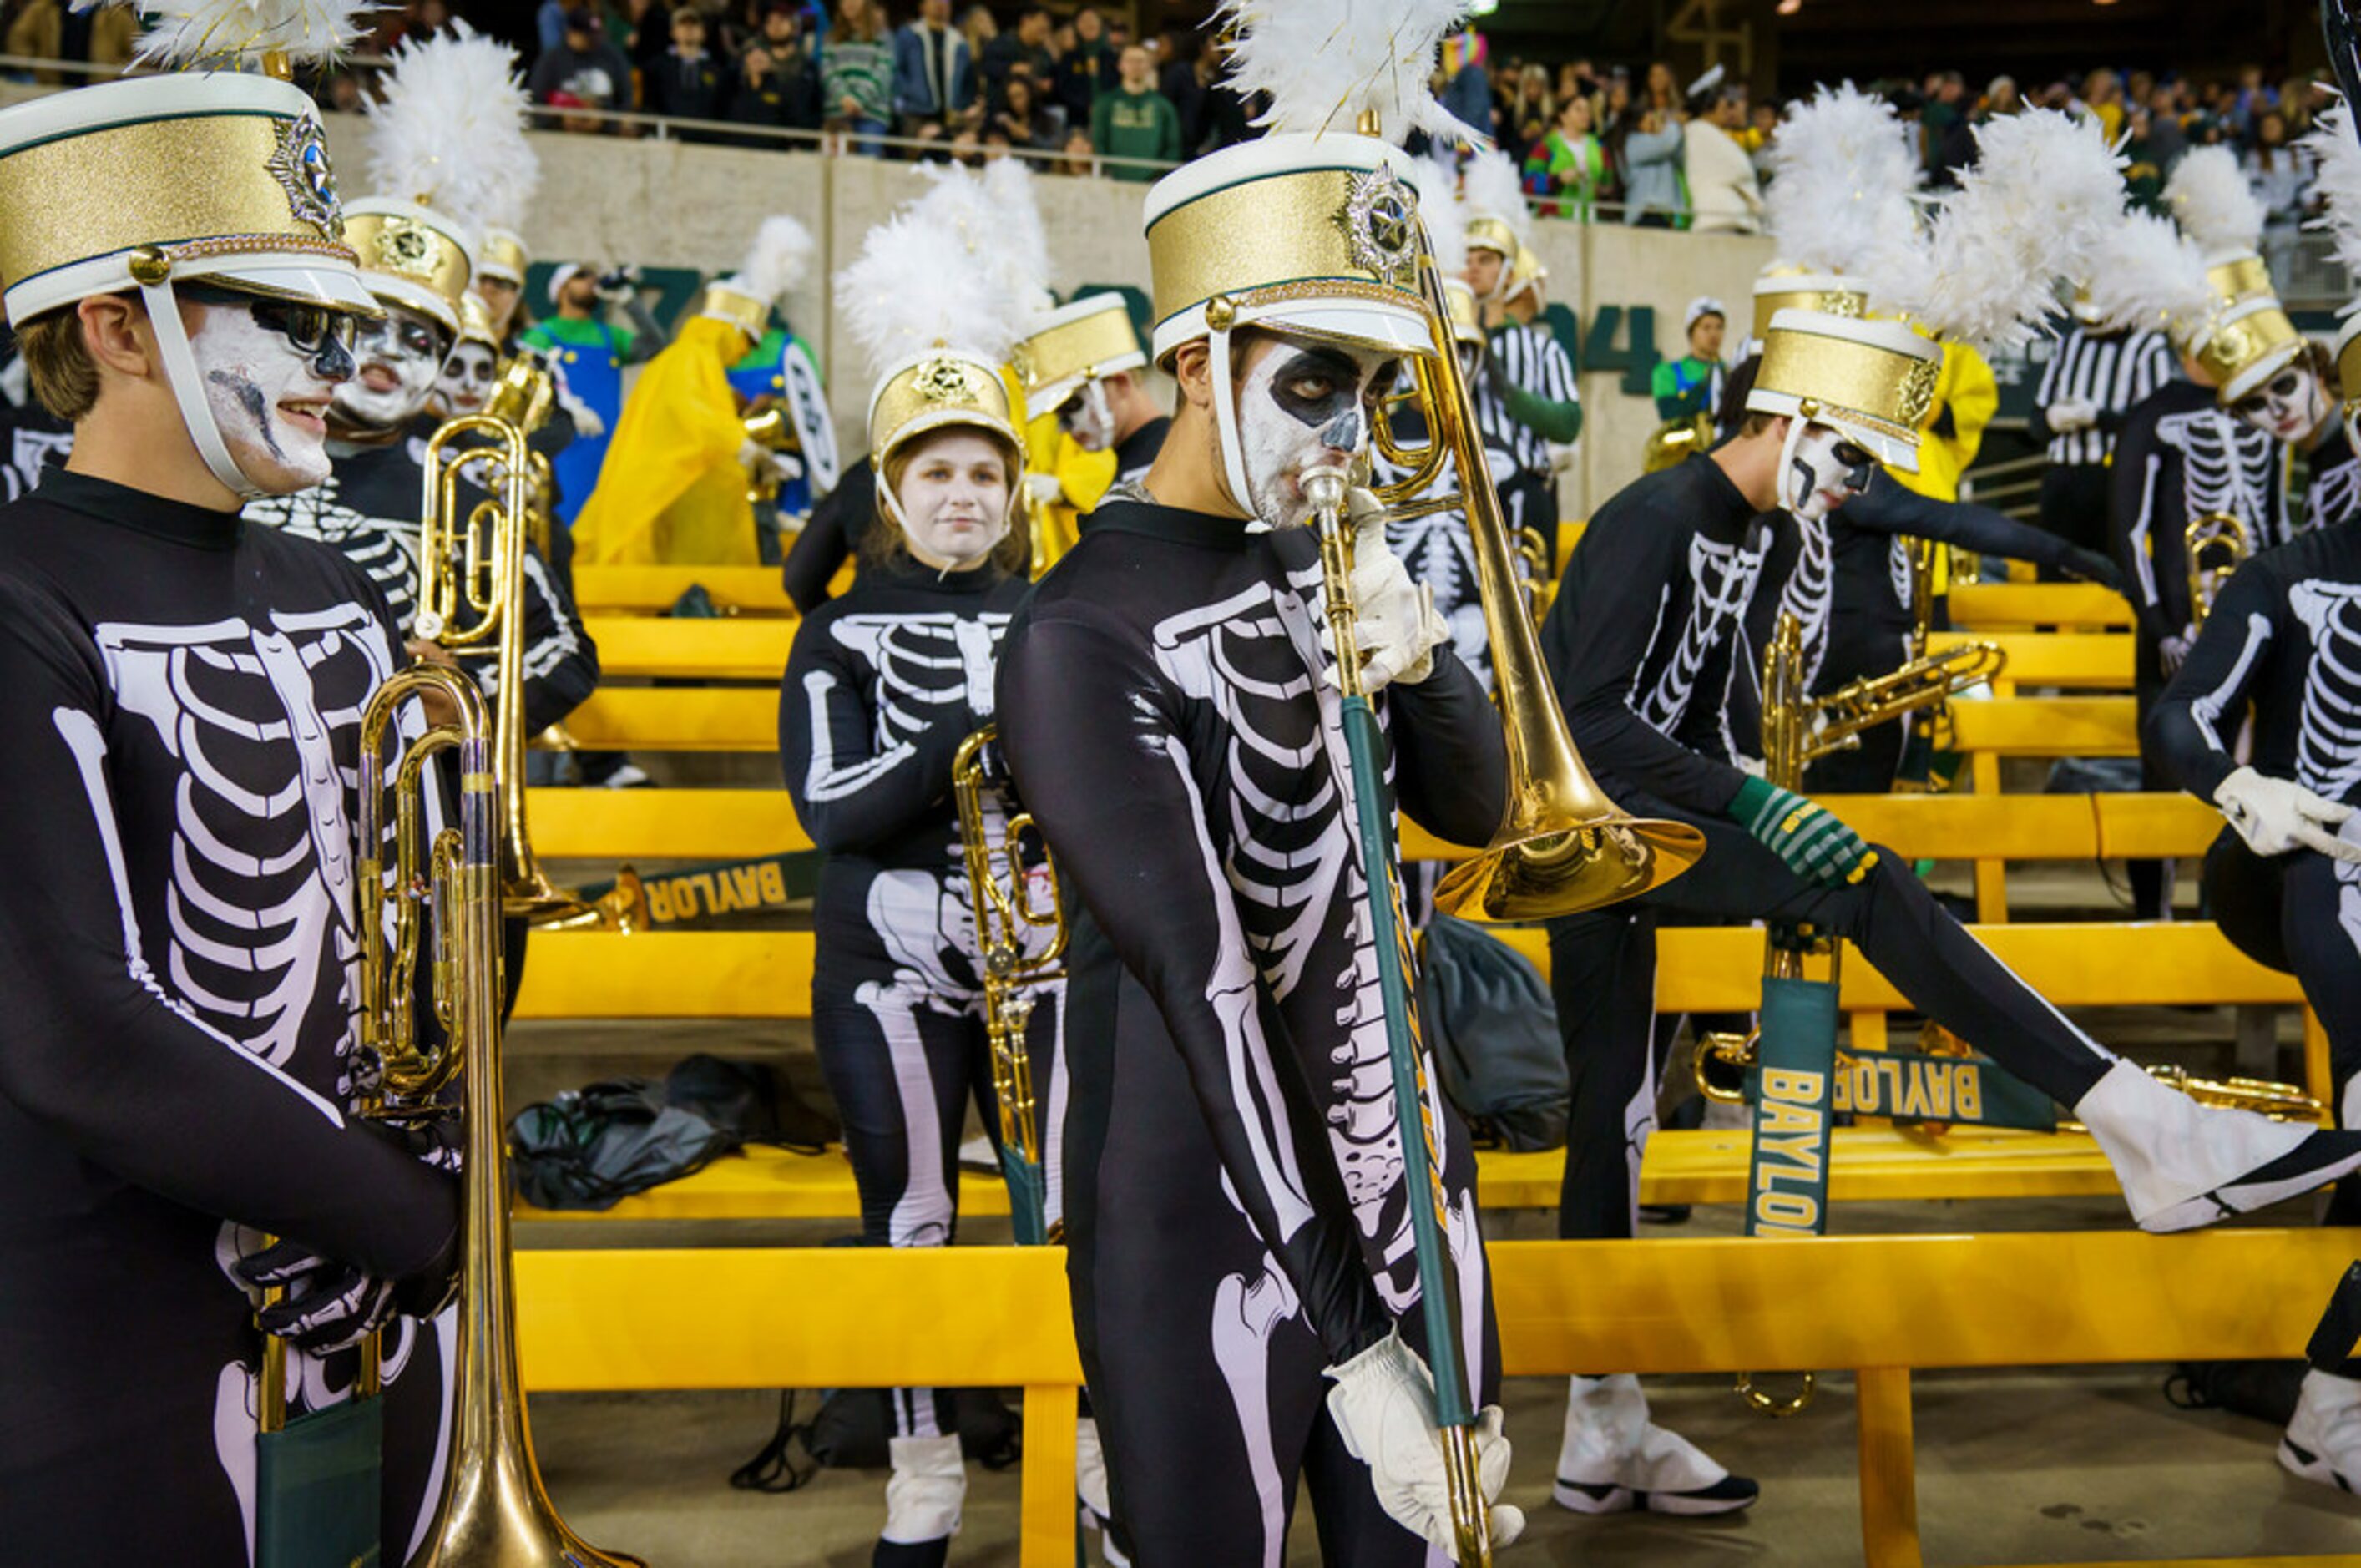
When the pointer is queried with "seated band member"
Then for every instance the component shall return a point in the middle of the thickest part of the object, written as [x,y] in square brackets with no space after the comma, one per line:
[1245,1288]
[1652,645]
[882,686]
[2283,642]
[184,692]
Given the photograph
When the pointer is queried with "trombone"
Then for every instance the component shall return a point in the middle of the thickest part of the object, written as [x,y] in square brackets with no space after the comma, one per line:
[1015,969]
[2216,544]
[493,1511]
[471,566]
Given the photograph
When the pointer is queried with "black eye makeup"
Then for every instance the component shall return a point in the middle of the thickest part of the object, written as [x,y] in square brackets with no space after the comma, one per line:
[1315,385]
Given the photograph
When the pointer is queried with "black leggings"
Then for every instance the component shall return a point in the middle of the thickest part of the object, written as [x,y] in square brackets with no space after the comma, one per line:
[2074,507]
[1603,967]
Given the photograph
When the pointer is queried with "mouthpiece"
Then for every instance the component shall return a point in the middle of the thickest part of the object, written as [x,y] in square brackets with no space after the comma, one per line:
[1325,488]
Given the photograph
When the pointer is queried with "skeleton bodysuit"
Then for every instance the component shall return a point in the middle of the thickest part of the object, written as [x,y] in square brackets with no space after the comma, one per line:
[882,687]
[1634,617]
[2181,455]
[184,692]
[1233,1197]
[2284,638]
[2333,494]
[369,508]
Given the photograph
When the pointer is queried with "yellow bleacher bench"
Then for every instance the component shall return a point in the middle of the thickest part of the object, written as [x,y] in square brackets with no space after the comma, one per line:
[2067,659]
[651,590]
[1991,607]
[1878,1306]
[725,648]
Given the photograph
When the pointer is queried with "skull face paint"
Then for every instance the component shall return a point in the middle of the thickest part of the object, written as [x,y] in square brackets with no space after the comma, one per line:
[269,368]
[2289,407]
[1301,407]
[399,359]
[466,380]
[1823,471]
[1085,416]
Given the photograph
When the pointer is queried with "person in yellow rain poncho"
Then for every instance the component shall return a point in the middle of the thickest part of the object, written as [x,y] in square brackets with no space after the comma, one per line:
[672,488]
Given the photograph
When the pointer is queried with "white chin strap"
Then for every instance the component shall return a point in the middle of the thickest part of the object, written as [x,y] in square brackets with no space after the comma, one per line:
[1226,423]
[189,389]
[1788,498]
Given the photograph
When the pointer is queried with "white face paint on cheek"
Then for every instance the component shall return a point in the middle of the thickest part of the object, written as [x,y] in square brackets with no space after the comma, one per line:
[250,371]
[466,378]
[1816,482]
[411,377]
[1091,424]
[1276,445]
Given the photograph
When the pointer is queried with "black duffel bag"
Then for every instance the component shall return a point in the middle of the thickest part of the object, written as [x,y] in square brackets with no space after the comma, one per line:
[1493,1030]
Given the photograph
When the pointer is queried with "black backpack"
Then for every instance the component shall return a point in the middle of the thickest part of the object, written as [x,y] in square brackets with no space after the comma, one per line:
[1493,1030]
[592,1148]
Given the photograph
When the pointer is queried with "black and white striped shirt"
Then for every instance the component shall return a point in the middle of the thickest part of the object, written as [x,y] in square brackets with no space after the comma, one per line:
[2111,371]
[1535,362]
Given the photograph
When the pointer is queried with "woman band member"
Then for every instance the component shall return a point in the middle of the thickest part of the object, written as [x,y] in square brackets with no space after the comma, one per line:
[883,685]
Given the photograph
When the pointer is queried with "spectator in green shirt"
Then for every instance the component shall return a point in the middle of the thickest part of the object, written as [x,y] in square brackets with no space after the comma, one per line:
[1575,161]
[1136,120]
[1691,385]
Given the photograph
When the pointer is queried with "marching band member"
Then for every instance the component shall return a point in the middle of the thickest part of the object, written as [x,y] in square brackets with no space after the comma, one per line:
[2180,456]
[671,488]
[1085,368]
[2283,640]
[1653,643]
[883,685]
[185,689]
[1529,401]
[1238,1228]
[418,260]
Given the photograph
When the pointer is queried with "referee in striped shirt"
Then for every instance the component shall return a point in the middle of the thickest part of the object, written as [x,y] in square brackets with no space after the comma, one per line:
[1526,401]
[2097,376]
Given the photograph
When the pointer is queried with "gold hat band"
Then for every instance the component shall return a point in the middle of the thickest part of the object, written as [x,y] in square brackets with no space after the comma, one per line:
[1267,232]
[1890,392]
[411,251]
[502,256]
[1492,234]
[99,192]
[747,313]
[2236,346]
[2242,277]
[941,388]
[1077,348]
[1848,302]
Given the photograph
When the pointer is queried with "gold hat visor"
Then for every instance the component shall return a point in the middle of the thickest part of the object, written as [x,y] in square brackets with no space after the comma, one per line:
[1076,345]
[1825,292]
[215,176]
[1310,236]
[940,387]
[2246,347]
[1873,381]
[501,255]
[411,257]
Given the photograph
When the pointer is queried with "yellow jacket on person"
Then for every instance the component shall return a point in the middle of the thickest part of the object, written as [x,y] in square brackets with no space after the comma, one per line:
[1083,477]
[671,492]
[1965,390]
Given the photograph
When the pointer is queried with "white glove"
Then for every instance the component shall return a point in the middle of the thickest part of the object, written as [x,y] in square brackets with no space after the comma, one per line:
[2072,414]
[2171,651]
[586,422]
[2275,815]
[787,464]
[1383,1405]
[1396,623]
[754,456]
[1045,489]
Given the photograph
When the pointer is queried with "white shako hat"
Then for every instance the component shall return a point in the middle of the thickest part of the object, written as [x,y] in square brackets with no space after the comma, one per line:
[413,256]
[1845,175]
[2336,158]
[222,177]
[1074,345]
[1871,382]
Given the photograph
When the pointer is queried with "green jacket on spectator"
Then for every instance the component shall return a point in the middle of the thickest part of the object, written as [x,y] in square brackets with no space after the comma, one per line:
[1125,123]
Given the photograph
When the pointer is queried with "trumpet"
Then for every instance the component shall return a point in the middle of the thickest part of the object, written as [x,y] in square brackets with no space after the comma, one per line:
[1676,439]
[2216,544]
[1001,888]
[471,564]
[493,1512]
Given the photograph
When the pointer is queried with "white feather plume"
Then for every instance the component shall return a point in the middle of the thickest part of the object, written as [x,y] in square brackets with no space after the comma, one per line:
[1494,188]
[2153,280]
[1022,238]
[1843,175]
[1324,62]
[2039,204]
[449,131]
[227,34]
[1446,217]
[776,262]
[2208,196]
[937,272]
[2336,153]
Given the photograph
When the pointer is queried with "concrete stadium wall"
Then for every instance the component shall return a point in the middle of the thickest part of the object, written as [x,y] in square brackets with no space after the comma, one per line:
[662,203]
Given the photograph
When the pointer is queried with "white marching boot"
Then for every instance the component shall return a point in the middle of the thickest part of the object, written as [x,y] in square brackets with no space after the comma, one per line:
[923,1499]
[2183,1165]
[1614,1460]
[2322,1443]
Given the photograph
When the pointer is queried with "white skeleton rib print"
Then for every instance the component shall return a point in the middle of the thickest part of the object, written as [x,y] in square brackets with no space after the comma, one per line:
[2335,496]
[2328,746]
[254,938]
[1721,579]
[2225,467]
[924,663]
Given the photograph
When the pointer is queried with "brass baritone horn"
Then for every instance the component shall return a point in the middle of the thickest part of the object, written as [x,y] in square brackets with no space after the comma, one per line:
[1675,439]
[1015,969]
[1562,845]
[2216,544]
[493,1512]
